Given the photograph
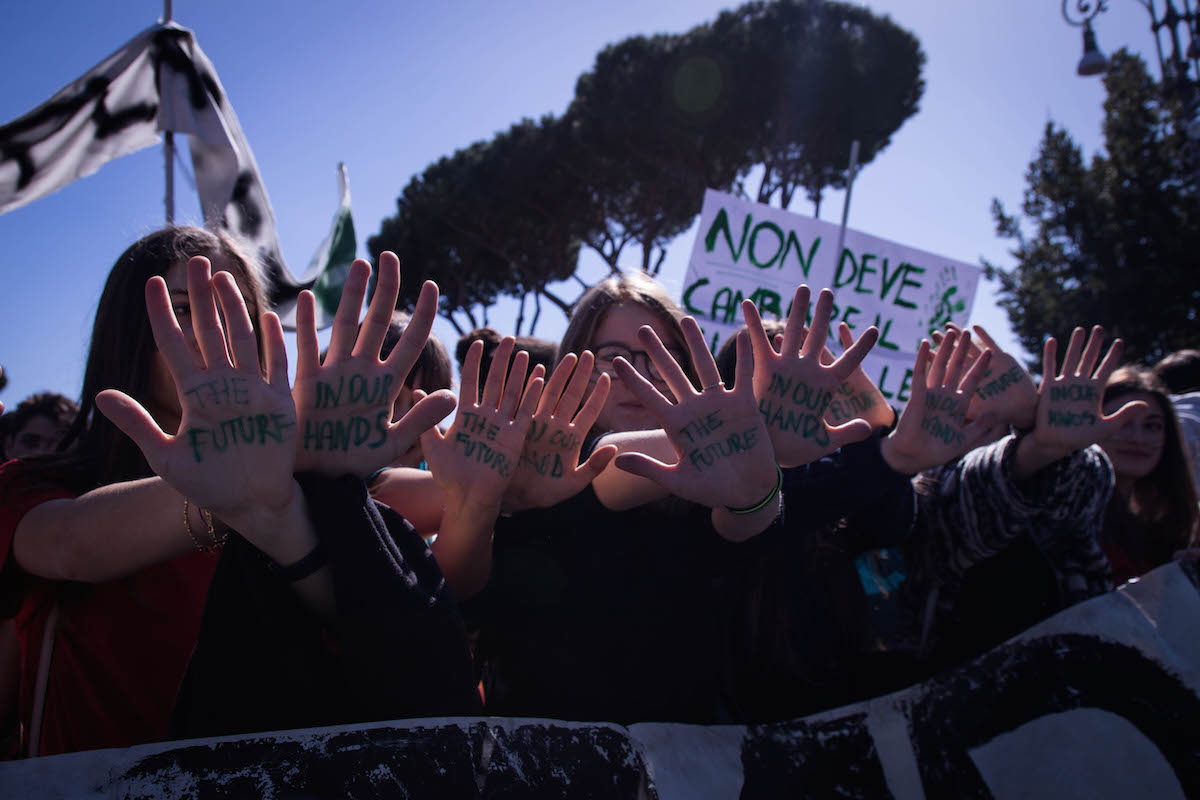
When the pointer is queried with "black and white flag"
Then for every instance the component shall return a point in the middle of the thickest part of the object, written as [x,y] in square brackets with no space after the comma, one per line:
[158,81]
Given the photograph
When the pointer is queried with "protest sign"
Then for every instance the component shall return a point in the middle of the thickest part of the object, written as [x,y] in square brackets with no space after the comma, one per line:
[748,250]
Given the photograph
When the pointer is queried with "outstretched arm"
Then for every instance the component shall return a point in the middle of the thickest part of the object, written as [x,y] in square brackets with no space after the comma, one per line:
[1070,414]
[476,458]
[723,455]
[794,388]
[933,427]
[232,455]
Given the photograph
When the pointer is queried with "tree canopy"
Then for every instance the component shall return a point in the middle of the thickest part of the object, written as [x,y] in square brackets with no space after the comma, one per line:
[786,85]
[1113,241]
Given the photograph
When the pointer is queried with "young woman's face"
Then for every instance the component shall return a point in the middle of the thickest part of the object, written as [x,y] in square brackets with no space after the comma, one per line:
[1136,447]
[617,335]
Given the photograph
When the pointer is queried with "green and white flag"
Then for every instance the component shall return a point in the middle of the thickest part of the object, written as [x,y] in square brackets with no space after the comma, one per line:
[327,270]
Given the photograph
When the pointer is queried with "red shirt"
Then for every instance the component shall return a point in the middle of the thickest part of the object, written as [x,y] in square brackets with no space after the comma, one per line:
[120,648]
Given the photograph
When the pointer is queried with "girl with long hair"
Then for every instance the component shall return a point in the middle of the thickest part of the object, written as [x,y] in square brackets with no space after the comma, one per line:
[105,564]
[1153,512]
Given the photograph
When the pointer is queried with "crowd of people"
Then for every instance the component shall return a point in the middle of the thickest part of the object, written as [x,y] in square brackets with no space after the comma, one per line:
[620,527]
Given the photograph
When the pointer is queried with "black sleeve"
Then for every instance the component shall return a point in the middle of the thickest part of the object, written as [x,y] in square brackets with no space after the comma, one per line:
[853,482]
[397,647]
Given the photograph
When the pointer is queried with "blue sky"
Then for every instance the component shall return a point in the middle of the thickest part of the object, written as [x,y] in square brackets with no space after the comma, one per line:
[390,87]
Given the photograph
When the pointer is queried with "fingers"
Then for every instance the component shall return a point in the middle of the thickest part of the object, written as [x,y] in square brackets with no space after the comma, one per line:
[274,351]
[134,421]
[587,415]
[168,336]
[1049,361]
[308,348]
[985,337]
[702,357]
[1091,353]
[206,325]
[954,367]
[400,361]
[533,393]
[743,375]
[558,383]
[493,388]
[597,461]
[975,374]
[819,330]
[1111,361]
[937,369]
[379,311]
[432,437]
[853,431]
[916,398]
[581,378]
[418,421]
[514,385]
[646,467]
[793,331]
[1113,422]
[1070,365]
[468,389]
[642,389]
[676,379]
[345,320]
[243,344]
[756,331]
[854,354]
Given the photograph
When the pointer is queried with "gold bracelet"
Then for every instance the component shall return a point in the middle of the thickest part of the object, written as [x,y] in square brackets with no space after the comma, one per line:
[207,516]
[217,543]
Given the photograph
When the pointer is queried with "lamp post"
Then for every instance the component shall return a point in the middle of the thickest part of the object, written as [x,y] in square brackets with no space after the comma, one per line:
[1180,67]
[1093,61]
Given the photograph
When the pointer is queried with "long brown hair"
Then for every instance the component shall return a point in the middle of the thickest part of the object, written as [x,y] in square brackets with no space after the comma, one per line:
[121,350]
[1164,501]
[632,287]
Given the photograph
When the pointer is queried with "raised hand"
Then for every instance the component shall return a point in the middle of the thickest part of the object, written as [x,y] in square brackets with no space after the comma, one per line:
[724,455]
[792,386]
[234,452]
[345,404]
[1006,390]
[858,397]
[933,427]
[548,470]
[478,456]
[1070,413]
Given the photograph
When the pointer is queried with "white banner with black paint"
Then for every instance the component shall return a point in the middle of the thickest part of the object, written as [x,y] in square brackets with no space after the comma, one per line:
[1099,701]
[158,81]
[746,250]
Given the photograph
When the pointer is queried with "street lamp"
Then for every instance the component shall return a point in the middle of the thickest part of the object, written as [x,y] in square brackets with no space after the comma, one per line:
[1177,73]
[1093,61]
[1180,69]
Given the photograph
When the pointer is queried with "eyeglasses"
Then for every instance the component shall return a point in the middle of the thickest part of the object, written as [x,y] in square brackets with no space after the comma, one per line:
[606,355]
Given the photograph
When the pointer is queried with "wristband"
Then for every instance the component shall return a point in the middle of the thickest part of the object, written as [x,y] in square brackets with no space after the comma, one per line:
[759,506]
[306,566]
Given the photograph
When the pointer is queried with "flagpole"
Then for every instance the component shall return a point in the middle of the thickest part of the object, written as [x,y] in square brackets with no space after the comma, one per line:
[846,206]
[169,147]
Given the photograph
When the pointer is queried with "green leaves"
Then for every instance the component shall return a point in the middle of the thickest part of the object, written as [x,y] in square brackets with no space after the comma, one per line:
[1113,241]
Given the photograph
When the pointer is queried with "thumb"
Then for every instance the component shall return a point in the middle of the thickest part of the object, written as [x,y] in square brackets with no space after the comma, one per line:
[646,467]
[426,412]
[135,422]
[1113,422]
[596,462]
[853,431]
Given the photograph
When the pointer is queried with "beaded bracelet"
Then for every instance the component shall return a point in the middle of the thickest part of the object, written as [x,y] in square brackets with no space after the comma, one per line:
[759,506]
